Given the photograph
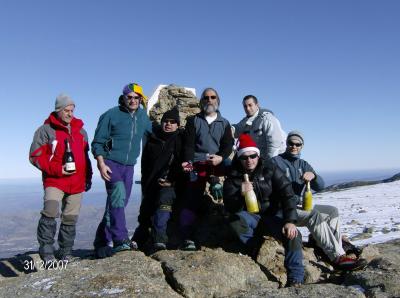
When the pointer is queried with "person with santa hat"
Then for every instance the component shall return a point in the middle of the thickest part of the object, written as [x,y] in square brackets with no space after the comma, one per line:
[276,200]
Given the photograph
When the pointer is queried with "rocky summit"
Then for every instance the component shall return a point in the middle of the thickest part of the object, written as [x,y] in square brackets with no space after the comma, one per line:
[209,272]
[173,95]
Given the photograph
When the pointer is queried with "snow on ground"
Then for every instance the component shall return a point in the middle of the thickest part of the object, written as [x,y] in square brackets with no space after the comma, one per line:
[369,214]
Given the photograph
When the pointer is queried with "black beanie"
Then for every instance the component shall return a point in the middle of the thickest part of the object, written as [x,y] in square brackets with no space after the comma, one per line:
[171,114]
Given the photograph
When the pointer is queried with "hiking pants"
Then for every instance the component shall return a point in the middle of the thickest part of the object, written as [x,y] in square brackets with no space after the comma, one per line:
[70,204]
[323,224]
[248,226]
[112,228]
[155,212]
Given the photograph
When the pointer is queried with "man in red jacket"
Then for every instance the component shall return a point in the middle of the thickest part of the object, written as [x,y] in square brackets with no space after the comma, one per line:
[62,189]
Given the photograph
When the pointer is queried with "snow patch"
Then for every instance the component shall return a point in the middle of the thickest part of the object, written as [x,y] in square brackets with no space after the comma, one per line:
[44,284]
[112,291]
[368,214]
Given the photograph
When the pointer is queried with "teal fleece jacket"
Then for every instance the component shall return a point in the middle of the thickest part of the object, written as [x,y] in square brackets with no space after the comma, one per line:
[118,134]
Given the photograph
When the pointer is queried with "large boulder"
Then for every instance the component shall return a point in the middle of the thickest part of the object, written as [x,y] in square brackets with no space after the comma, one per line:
[271,258]
[211,273]
[173,95]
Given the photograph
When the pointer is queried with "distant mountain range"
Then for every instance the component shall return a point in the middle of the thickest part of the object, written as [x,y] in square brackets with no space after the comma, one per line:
[346,185]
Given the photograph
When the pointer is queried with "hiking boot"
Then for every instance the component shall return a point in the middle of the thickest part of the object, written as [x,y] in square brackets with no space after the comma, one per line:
[64,254]
[124,245]
[293,284]
[188,245]
[48,261]
[103,252]
[159,246]
[66,258]
[348,264]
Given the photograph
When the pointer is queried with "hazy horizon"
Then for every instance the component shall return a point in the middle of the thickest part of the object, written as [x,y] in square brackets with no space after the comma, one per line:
[328,175]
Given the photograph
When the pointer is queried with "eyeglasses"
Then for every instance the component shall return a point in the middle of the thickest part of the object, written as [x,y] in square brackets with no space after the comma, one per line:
[133,97]
[170,121]
[291,144]
[246,157]
[210,97]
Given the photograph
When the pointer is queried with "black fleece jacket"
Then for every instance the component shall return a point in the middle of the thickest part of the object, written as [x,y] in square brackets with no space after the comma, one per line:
[273,190]
[161,156]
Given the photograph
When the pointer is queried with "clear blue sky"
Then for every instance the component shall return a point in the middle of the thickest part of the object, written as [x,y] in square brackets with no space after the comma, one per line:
[328,68]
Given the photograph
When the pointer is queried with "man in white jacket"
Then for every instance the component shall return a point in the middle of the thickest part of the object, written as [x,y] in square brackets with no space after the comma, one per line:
[264,128]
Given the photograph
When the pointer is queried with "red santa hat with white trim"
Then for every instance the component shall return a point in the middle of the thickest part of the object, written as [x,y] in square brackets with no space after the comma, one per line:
[246,144]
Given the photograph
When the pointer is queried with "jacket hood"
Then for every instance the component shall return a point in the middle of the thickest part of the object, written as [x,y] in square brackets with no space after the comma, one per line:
[261,111]
[54,121]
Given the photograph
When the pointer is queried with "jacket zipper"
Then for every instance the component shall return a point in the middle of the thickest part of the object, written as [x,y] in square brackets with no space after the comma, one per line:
[130,143]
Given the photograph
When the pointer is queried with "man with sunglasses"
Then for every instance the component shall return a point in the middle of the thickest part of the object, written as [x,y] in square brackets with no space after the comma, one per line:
[263,126]
[277,206]
[116,146]
[161,173]
[208,143]
[323,221]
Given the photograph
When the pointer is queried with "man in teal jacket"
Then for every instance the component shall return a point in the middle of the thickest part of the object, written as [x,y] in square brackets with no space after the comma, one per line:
[116,146]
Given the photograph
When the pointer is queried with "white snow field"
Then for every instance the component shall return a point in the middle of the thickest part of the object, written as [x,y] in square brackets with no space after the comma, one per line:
[369,214]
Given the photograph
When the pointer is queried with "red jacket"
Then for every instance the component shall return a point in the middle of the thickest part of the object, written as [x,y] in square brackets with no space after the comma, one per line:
[47,152]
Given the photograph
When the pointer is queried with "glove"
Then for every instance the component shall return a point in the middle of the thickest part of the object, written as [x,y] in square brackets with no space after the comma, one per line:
[216,188]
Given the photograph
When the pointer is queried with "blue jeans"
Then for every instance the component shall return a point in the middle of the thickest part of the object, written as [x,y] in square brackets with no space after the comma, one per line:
[248,226]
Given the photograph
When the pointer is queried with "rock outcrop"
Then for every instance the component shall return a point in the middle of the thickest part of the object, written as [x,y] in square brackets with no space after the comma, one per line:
[171,96]
[130,274]
[204,273]
[211,273]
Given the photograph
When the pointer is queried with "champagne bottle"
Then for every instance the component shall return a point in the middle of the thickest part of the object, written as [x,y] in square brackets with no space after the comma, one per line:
[250,198]
[307,198]
[69,160]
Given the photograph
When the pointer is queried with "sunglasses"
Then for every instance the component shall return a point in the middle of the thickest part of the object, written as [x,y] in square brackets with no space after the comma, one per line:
[130,97]
[170,121]
[291,144]
[246,157]
[210,97]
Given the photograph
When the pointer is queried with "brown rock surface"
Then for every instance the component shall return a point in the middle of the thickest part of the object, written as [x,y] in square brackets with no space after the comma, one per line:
[211,273]
[171,96]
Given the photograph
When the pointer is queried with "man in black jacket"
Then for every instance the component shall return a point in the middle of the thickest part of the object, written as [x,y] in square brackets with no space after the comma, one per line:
[277,206]
[161,169]
[208,143]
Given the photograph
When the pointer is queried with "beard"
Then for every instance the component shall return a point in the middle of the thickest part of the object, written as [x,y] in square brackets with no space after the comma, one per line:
[209,109]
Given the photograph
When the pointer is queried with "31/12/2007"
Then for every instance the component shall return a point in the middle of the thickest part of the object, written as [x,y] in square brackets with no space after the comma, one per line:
[31,265]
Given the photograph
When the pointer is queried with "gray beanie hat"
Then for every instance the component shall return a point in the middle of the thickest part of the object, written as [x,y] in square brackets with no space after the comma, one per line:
[62,101]
[295,135]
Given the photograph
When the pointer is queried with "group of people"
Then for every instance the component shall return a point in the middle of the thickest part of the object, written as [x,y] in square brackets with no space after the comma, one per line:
[181,162]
